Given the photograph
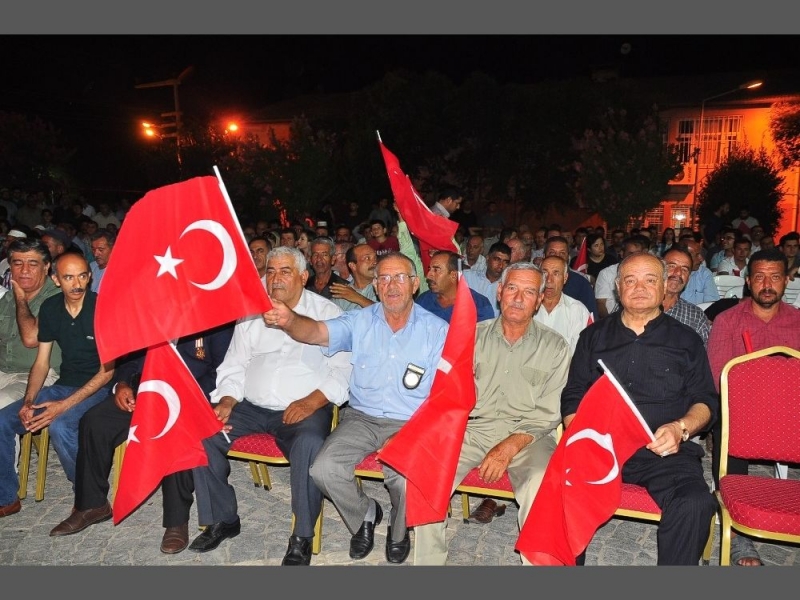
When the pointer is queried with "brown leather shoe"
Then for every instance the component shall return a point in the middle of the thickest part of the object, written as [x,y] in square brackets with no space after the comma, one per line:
[81,519]
[175,539]
[10,509]
[488,510]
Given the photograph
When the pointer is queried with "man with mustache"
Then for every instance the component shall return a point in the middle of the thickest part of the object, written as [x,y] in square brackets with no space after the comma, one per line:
[767,321]
[67,319]
[679,263]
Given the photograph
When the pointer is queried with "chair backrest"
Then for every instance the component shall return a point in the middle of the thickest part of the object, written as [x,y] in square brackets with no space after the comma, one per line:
[760,416]
[726,282]
[704,305]
[792,291]
[736,291]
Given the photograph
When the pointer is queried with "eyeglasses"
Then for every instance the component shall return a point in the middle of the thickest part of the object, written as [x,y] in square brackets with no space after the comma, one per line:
[397,278]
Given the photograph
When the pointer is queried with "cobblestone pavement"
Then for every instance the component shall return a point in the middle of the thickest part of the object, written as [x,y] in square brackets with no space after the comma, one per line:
[266,519]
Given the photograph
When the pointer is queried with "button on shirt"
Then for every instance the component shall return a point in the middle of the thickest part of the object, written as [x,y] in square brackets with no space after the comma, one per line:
[518,385]
[381,357]
[271,370]
[665,370]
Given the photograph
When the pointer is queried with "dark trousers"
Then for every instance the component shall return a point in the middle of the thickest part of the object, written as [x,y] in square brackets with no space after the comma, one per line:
[678,487]
[300,442]
[101,430]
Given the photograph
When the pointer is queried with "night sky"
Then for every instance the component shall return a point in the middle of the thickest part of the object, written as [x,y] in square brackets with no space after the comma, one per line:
[85,84]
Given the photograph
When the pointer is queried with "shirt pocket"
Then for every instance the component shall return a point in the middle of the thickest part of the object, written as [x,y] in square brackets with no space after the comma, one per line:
[666,371]
[369,371]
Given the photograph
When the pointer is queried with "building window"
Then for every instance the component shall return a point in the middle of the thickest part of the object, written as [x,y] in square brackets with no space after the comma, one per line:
[717,138]
[680,217]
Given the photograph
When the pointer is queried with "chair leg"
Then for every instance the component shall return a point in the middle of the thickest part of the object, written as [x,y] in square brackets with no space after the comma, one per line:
[465,507]
[264,476]
[254,473]
[316,544]
[41,469]
[710,542]
[119,454]
[725,541]
[24,464]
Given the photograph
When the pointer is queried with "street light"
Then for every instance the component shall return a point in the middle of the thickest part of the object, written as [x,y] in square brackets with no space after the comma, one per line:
[698,137]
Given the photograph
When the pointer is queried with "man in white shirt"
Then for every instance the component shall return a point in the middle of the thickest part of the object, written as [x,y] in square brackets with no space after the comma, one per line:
[448,202]
[270,383]
[564,314]
[605,287]
[736,264]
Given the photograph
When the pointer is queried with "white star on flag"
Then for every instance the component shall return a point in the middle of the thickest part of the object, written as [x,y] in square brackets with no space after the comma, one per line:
[132,435]
[167,263]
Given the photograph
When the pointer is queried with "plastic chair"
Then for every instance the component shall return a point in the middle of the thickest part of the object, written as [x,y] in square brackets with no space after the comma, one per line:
[792,291]
[726,282]
[41,440]
[759,422]
[737,291]
[260,450]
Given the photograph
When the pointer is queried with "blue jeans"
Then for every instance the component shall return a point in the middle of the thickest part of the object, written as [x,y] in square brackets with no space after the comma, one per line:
[63,435]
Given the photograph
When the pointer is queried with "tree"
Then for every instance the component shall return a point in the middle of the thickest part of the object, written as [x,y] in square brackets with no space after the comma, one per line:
[747,177]
[784,123]
[33,153]
[623,166]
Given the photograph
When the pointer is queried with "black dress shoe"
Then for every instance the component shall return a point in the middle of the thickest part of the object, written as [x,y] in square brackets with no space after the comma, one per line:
[299,552]
[214,534]
[397,552]
[364,539]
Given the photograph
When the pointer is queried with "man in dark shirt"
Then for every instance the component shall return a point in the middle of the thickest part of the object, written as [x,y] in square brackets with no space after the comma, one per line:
[577,285]
[322,251]
[105,427]
[664,367]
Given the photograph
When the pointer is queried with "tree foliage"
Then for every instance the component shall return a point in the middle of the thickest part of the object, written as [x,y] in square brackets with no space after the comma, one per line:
[746,178]
[623,166]
[33,154]
[784,124]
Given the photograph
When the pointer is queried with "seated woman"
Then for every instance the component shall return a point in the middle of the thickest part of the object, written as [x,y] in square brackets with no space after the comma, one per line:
[599,259]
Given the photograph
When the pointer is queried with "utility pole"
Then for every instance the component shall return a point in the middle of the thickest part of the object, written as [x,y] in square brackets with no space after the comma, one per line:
[177,113]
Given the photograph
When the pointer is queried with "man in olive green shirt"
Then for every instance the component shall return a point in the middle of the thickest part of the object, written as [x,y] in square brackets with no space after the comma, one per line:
[520,370]
[29,261]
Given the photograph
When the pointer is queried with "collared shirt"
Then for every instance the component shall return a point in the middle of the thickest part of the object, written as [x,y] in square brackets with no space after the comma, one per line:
[428,300]
[693,316]
[368,291]
[568,318]
[438,209]
[727,335]
[728,265]
[477,281]
[97,276]
[665,370]
[381,358]
[578,287]
[14,356]
[518,385]
[271,370]
[605,288]
[700,287]
[480,264]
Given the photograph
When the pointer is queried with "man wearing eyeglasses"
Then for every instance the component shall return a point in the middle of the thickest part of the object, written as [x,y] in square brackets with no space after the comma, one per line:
[679,267]
[396,346]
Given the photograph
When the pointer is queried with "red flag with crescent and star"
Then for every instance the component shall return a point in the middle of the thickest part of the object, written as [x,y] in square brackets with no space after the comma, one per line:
[427,447]
[582,484]
[434,232]
[171,417]
[180,265]
[582,260]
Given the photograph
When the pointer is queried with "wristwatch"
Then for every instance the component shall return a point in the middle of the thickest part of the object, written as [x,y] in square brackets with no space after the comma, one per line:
[684,431]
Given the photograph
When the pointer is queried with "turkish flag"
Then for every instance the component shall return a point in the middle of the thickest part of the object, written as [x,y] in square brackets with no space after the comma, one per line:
[426,449]
[171,417]
[582,260]
[180,265]
[434,232]
[582,484]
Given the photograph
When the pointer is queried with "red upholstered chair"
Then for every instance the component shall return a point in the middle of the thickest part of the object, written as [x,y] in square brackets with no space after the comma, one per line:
[260,450]
[760,421]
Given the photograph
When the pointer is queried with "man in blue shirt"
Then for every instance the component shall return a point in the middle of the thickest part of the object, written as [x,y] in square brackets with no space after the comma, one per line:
[700,287]
[396,348]
[442,279]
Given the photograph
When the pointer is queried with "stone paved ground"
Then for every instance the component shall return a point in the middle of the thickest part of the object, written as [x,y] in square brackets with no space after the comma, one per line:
[266,517]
